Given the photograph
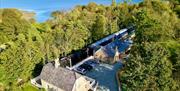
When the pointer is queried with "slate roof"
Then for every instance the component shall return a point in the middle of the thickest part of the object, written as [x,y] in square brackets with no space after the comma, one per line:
[109,49]
[59,77]
[119,33]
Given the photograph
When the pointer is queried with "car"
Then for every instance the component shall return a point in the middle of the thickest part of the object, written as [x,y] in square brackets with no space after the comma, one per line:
[86,67]
[91,63]
[81,70]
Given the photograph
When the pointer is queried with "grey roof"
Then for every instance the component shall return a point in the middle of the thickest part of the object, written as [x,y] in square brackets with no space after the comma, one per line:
[59,77]
[109,49]
[108,38]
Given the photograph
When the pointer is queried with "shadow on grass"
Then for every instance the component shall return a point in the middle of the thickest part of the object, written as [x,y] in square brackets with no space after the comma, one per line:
[37,69]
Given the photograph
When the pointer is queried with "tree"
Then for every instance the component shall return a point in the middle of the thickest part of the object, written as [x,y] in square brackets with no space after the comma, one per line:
[24,44]
[23,48]
[148,68]
[99,27]
[113,3]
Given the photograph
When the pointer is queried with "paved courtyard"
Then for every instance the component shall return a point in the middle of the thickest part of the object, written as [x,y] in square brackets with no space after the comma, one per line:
[105,74]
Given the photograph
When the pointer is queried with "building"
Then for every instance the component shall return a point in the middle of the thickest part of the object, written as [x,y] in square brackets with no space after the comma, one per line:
[110,38]
[122,34]
[108,50]
[112,52]
[55,78]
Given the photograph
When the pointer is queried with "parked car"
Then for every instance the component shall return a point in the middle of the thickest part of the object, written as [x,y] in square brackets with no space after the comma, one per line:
[86,67]
[91,63]
[81,70]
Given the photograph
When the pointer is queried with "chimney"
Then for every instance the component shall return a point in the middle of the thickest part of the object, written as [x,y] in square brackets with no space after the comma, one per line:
[57,64]
[101,47]
[116,56]
[116,51]
[70,61]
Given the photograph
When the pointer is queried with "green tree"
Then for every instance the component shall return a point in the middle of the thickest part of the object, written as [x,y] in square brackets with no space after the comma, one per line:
[148,68]
[99,27]
[23,48]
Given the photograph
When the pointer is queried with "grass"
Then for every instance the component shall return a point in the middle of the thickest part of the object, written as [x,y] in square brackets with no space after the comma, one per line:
[25,87]
[29,88]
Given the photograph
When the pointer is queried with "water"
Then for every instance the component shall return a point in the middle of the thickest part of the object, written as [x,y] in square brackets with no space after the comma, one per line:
[43,8]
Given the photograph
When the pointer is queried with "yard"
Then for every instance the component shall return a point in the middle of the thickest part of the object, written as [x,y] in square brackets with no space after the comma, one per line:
[105,74]
[29,88]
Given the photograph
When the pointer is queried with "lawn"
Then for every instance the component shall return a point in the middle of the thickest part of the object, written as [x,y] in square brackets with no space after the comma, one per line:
[29,87]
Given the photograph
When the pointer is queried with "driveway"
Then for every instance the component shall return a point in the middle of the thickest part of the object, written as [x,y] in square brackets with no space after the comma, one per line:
[105,74]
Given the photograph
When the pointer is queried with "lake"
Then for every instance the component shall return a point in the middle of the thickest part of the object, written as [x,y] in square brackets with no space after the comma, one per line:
[44,8]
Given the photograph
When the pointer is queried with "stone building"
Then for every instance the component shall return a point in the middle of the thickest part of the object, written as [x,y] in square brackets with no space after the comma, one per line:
[112,52]
[107,55]
[55,78]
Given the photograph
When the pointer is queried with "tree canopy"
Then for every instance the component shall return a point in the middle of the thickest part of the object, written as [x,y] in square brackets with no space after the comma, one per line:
[154,59]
